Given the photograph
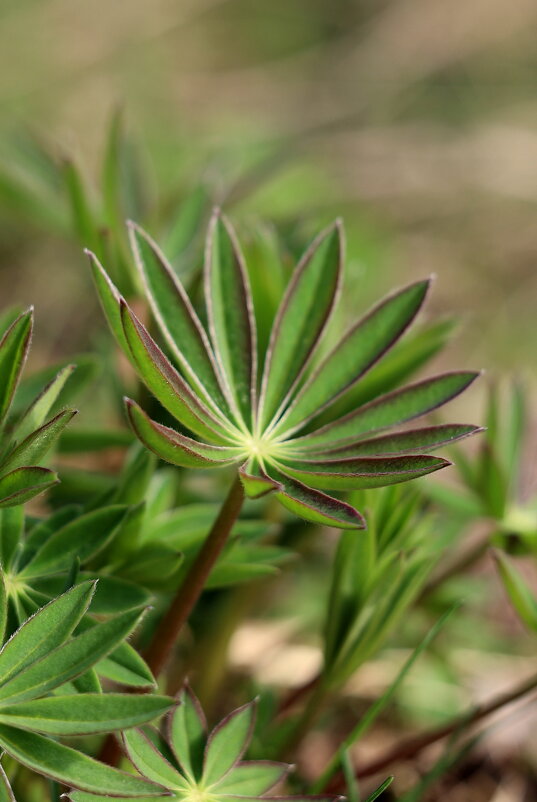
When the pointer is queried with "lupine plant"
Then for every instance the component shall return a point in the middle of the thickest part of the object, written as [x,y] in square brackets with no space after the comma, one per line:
[313,431]
[263,421]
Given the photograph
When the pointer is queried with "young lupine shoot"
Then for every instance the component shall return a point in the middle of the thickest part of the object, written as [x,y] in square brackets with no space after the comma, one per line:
[191,765]
[262,419]
[39,665]
[24,442]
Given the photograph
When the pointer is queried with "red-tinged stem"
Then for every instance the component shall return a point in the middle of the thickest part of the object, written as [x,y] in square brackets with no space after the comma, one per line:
[185,600]
[296,695]
[167,632]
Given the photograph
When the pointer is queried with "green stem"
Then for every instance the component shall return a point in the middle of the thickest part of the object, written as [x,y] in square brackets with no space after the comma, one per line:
[185,600]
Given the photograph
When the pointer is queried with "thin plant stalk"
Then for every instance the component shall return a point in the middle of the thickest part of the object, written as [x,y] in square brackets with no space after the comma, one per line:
[297,694]
[412,746]
[185,599]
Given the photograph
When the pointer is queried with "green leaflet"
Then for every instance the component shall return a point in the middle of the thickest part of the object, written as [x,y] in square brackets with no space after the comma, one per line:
[314,506]
[173,447]
[365,636]
[410,441]
[42,530]
[22,484]
[360,473]
[176,318]
[68,660]
[254,481]
[85,713]
[82,538]
[71,767]
[188,221]
[124,666]
[116,595]
[254,778]
[149,762]
[110,300]
[402,362]
[301,319]
[187,733]
[361,347]
[230,314]
[46,630]
[392,409]
[14,348]
[39,442]
[35,416]
[228,742]
[165,383]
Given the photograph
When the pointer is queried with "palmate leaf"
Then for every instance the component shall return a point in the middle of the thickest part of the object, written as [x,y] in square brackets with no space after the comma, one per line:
[274,440]
[40,565]
[42,657]
[194,765]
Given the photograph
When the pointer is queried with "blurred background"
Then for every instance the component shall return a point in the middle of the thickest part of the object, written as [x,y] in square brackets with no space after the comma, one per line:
[414,120]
